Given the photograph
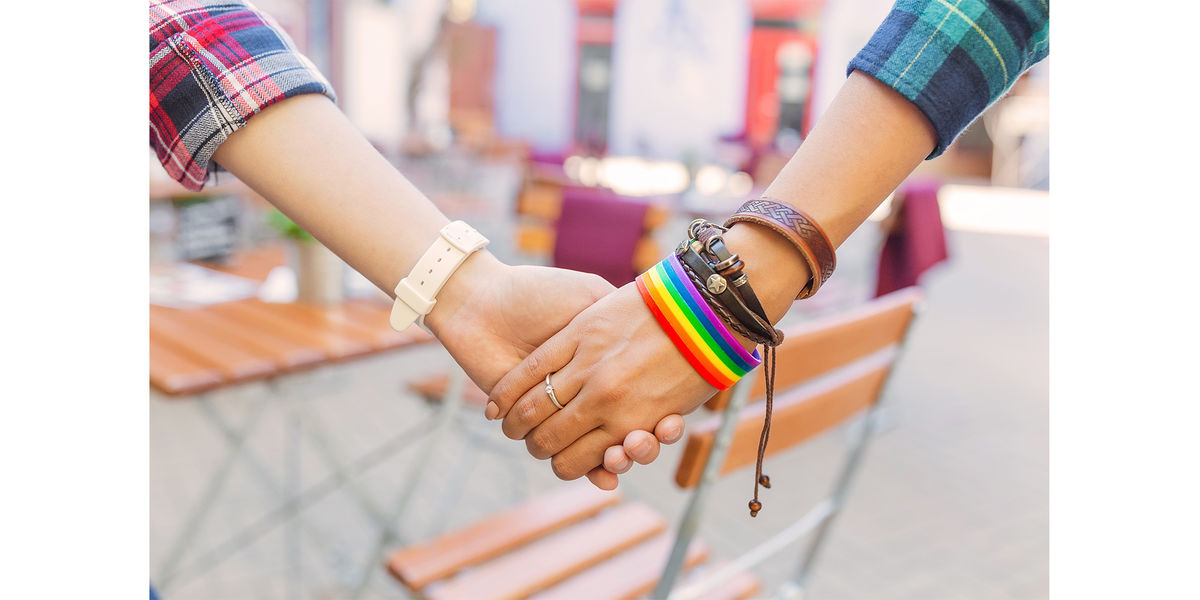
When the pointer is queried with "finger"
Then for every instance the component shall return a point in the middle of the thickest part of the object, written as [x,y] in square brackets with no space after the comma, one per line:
[551,356]
[559,431]
[585,454]
[535,405]
[602,479]
[670,429]
[616,461]
[641,446]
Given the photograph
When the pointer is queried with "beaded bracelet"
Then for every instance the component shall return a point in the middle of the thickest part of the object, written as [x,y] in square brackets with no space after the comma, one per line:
[696,331]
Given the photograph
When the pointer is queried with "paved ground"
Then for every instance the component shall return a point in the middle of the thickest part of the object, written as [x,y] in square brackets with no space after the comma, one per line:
[951,502]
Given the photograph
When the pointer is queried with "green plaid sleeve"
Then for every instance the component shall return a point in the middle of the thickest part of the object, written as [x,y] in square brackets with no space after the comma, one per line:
[953,58]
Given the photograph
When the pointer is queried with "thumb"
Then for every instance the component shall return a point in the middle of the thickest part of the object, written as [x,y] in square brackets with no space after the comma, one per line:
[551,356]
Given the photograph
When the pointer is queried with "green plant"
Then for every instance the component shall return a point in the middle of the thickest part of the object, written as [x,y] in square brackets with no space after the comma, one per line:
[287,227]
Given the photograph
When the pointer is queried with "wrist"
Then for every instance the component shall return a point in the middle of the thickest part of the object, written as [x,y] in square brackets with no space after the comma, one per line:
[480,271]
[774,267]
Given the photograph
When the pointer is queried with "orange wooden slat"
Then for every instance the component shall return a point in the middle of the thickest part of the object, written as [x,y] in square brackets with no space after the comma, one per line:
[254,263]
[335,318]
[286,353]
[798,416]
[743,586]
[826,344]
[377,314]
[235,362]
[259,316]
[552,559]
[630,575]
[419,565]
[172,373]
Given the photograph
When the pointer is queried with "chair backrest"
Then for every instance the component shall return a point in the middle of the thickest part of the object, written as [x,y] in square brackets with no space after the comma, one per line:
[827,371]
[821,346]
[598,231]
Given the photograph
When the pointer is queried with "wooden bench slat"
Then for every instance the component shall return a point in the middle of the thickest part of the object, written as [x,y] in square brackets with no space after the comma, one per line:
[799,415]
[741,587]
[630,575]
[433,389]
[174,374]
[254,314]
[286,353]
[419,565]
[552,559]
[235,362]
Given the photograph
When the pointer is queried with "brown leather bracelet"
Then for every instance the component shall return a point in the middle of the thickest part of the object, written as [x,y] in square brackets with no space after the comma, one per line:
[797,228]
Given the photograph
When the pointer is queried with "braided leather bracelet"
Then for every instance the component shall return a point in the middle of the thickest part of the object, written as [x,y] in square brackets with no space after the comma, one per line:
[797,228]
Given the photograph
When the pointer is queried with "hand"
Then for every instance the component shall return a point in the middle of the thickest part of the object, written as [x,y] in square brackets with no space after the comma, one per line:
[616,372]
[491,316]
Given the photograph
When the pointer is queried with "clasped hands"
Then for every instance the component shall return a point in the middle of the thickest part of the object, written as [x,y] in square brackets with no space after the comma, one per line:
[622,383]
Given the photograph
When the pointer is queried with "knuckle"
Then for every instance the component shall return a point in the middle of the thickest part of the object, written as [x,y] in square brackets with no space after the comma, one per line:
[527,413]
[510,429]
[564,468]
[533,365]
[540,444]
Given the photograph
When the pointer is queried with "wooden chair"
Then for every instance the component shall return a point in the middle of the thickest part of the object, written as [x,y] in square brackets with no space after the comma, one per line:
[540,204]
[577,542]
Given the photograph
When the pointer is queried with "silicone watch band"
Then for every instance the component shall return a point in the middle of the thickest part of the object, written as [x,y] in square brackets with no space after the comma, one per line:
[417,294]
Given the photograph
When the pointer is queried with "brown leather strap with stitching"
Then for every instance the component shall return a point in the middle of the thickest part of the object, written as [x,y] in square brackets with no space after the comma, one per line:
[797,228]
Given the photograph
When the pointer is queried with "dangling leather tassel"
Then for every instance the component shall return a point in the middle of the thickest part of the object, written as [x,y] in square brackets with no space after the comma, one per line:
[759,477]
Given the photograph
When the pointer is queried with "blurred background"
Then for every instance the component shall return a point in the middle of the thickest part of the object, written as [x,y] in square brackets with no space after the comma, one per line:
[296,442]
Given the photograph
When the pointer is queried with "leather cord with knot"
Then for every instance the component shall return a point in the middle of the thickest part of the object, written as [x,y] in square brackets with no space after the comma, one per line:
[729,305]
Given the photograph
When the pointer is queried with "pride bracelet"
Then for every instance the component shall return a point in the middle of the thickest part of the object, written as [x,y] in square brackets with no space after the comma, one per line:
[696,331]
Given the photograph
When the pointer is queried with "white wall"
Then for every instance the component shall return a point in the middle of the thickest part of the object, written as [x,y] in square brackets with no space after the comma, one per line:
[535,69]
[679,76]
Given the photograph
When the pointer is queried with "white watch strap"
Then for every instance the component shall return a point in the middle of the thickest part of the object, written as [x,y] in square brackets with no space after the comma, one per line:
[417,294]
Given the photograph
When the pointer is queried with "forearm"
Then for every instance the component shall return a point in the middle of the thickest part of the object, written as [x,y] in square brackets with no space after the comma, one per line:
[863,147]
[307,159]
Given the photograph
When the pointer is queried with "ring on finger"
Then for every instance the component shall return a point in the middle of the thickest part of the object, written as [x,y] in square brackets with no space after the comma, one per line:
[550,392]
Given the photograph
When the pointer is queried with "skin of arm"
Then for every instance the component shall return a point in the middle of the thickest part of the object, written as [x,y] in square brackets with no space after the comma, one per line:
[615,364]
[306,158]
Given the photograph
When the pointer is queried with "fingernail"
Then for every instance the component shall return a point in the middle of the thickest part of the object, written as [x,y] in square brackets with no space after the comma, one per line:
[674,437]
[641,449]
[491,411]
[625,464]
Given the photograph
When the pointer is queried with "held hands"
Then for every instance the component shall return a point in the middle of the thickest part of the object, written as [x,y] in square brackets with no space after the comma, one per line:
[500,314]
[615,372]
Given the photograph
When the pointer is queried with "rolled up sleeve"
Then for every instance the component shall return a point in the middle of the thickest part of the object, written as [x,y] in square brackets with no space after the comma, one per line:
[213,66]
[954,58]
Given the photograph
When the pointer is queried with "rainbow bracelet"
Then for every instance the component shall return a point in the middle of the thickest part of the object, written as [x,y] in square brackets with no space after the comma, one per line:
[697,332]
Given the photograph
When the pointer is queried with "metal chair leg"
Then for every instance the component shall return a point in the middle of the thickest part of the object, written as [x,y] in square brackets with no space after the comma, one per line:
[227,549]
[450,404]
[690,521]
[199,514]
[266,479]
[838,499]
[294,574]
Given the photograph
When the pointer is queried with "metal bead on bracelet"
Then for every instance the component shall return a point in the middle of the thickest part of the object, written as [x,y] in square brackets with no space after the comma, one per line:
[717,267]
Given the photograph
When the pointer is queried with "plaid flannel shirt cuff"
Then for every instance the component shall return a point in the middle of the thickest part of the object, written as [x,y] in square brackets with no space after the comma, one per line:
[954,60]
[209,78]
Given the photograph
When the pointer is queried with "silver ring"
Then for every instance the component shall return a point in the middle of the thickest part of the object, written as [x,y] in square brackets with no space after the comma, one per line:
[550,392]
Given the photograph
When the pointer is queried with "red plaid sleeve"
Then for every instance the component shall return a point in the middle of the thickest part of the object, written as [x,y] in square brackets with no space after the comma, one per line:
[213,65]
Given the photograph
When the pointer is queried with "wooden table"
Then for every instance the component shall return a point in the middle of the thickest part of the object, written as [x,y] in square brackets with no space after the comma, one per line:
[201,349]
[196,351]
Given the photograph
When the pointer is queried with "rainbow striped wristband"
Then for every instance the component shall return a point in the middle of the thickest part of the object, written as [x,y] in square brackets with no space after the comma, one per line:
[697,332]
